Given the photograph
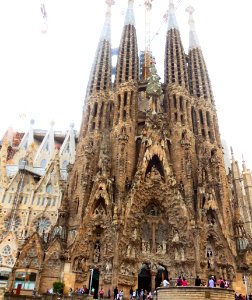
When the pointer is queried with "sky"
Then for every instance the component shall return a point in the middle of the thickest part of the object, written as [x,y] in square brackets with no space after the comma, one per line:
[43,76]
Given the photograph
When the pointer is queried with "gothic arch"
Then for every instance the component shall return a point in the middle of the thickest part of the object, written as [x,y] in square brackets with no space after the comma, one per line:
[100,207]
[155,161]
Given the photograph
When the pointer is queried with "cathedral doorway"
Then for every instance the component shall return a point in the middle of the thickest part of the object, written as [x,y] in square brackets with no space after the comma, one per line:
[161,275]
[94,281]
[144,278]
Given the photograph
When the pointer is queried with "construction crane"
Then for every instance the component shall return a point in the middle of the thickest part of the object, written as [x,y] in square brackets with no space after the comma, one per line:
[165,19]
[147,50]
[44,16]
[148,59]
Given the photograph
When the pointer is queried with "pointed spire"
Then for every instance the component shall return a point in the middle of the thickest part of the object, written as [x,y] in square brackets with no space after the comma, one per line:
[244,167]
[172,21]
[69,142]
[199,81]
[51,139]
[232,153]
[175,71]
[100,75]
[28,138]
[31,137]
[127,62]
[193,38]
[130,18]
[106,31]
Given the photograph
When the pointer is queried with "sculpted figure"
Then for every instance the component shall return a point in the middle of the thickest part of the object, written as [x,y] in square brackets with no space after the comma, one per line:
[108,266]
[159,249]
[128,250]
[96,253]
[164,247]
[175,236]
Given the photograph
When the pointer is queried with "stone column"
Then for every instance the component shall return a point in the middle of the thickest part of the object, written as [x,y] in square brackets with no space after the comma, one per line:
[115,260]
[196,232]
[153,247]
[2,293]
[153,279]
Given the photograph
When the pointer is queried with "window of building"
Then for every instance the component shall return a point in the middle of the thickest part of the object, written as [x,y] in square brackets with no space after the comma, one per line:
[6,250]
[43,163]
[43,225]
[22,163]
[49,188]
[10,261]
[3,199]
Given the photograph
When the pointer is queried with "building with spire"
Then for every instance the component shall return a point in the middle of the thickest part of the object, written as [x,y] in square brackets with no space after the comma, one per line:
[33,173]
[147,196]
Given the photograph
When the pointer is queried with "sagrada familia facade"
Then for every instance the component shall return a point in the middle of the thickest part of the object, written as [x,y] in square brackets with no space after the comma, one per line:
[145,194]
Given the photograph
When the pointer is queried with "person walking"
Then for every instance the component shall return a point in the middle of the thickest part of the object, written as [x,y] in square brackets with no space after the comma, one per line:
[115,293]
[131,293]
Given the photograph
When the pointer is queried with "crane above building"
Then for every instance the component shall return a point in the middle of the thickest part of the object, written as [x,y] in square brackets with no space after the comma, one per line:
[148,59]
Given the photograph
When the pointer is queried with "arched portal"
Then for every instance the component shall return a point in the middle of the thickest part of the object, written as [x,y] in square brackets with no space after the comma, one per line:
[162,274]
[144,278]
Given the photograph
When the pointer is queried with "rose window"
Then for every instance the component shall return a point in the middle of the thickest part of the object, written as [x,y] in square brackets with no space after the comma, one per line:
[43,225]
[12,222]
[32,252]
[6,250]
[24,262]
[34,263]
[10,261]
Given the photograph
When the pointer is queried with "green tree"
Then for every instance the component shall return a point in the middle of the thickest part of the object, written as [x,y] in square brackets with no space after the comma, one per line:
[58,287]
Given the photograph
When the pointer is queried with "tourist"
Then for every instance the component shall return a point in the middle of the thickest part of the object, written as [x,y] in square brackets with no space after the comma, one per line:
[101,293]
[179,281]
[166,283]
[184,282]
[70,292]
[221,283]
[115,293]
[131,293]
[149,296]
[211,282]
[197,281]
[121,295]
[109,294]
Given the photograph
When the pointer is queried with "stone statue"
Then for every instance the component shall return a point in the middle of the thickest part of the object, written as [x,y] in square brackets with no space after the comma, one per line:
[108,267]
[128,250]
[96,253]
[182,254]
[159,249]
[175,236]
[164,247]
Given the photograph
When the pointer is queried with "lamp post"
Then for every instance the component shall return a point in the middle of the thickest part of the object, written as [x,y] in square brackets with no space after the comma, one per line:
[91,279]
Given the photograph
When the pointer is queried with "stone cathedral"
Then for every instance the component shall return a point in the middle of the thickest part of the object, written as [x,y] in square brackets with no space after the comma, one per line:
[148,196]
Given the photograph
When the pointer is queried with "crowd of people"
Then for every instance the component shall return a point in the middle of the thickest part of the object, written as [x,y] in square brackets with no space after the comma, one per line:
[142,294]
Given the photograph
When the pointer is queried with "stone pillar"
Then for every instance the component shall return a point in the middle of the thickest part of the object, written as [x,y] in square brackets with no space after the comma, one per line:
[115,260]
[153,279]
[2,290]
[153,247]
[196,232]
